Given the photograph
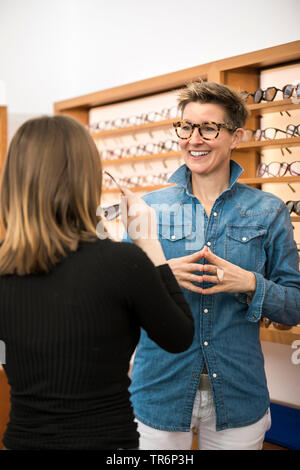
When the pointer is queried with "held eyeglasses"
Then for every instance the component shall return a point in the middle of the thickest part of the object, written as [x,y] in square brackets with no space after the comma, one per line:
[113,211]
[208,130]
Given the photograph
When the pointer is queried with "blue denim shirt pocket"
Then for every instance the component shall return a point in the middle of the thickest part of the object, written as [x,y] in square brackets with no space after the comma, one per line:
[174,238]
[244,246]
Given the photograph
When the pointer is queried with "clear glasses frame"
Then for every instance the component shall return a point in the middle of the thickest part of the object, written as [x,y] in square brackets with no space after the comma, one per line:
[269,133]
[278,169]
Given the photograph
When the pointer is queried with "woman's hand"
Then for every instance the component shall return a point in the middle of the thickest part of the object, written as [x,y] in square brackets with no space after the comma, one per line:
[184,270]
[235,279]
[140,222]
[139,219]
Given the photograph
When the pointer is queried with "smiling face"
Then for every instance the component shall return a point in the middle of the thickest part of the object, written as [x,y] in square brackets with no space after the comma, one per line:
[208,157]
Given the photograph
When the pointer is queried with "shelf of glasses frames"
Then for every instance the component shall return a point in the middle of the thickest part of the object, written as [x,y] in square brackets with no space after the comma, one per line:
[144,189]
[133,129]
[273,107]
[275,143]
[275,335]
[140,158]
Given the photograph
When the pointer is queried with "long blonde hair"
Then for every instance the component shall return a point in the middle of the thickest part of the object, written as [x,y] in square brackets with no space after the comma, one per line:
[50,190]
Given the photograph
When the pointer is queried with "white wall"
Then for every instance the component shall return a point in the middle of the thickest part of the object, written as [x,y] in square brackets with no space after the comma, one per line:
[52,50]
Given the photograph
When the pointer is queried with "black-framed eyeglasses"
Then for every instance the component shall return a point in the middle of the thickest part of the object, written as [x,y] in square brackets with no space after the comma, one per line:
[208,130]
[293,206]
[293,130]
[270,93]
[278,169]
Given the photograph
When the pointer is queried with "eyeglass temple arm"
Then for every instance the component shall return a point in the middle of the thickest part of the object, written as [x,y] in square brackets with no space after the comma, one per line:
[108,174]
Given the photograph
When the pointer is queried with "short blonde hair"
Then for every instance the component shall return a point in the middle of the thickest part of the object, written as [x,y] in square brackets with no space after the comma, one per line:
[236,111]
[50,190]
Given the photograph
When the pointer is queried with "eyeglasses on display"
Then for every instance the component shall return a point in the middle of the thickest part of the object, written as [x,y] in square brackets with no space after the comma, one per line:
[208,130]
[135,181]
[270,93]
[293,206]
[150,148]
[144,118]
[269,133]
[278,169]
[293,130]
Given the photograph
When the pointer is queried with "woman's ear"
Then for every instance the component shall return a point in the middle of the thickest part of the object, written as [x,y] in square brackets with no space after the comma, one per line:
[237,137]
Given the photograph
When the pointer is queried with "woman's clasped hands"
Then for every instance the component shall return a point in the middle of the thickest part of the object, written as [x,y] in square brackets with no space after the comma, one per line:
[226,276]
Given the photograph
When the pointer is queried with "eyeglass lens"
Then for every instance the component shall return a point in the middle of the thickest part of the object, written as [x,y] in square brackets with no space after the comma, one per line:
[208,131]
[111,212]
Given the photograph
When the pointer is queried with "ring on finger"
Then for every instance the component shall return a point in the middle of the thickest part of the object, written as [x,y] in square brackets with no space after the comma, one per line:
[220,275]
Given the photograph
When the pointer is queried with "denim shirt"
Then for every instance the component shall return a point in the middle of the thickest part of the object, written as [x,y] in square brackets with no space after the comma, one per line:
[252,229]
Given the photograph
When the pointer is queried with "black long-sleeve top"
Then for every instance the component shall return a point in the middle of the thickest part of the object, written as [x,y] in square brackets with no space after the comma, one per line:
[69,336]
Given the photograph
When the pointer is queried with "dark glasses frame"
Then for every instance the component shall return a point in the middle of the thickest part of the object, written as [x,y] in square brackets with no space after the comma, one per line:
[199,126]
[264,167]
[294,128]
[293,206]
[260,94]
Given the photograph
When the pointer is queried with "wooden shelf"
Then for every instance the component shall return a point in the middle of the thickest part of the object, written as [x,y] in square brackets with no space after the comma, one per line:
[274,335]
[272,107]
[275,143]
[150,126]
[217,70]
[278,179]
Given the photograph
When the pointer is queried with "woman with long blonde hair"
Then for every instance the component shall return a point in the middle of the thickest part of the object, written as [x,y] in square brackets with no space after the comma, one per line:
[71,304]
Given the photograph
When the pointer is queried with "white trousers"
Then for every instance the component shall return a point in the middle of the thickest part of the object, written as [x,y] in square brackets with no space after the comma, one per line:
[203,419]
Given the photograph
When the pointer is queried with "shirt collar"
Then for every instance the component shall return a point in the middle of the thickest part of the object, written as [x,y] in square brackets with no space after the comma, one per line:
[182,176]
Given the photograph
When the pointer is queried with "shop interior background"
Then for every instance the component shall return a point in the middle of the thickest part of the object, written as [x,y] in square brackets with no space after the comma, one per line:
[53,50]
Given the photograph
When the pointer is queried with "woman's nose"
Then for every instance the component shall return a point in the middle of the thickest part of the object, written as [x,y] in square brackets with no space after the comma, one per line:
[196,138]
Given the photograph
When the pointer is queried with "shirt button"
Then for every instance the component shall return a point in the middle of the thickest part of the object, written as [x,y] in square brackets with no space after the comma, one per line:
[214,376]
[205,343]
[173,237]
[208,243]
[215,214]
[205,310]
[244,239]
